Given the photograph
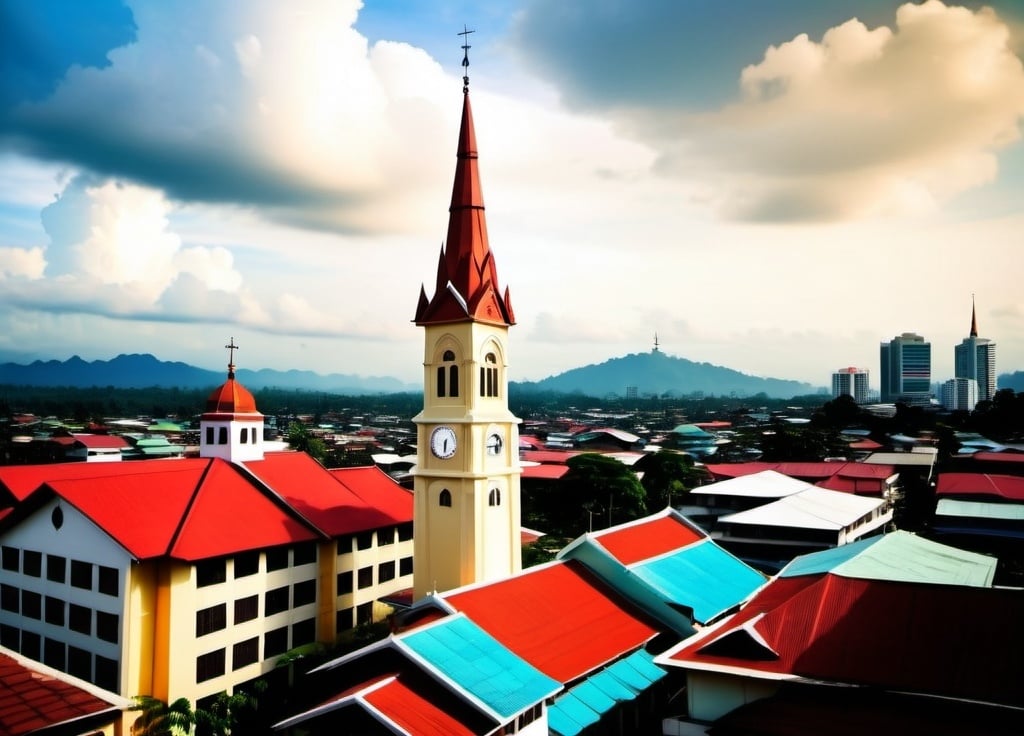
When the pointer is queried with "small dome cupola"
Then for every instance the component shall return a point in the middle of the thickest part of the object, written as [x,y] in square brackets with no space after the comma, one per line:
[231,428]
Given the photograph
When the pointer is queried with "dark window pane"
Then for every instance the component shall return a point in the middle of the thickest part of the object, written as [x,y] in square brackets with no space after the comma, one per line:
[275,642]
[364,540]
[33,563]
[211,619]
[108,582]
[453,381]
[106,673]
[343,620]
[55,654]
[79,663]
[81,574]
[364,613]
[10,558]
[56,568]
[54,611]
[209,435]
[304,632]
[245,652]
[10,598]
[304,554]
[303,593]
[365,577]
[222,436]
[80,619]
[31,645]
[405,566]
[275,601]
[209,665]
[9,637]
[247,563]
[107,626]
[385,572]
[344,582]
[404,532]
[441,381]
[345,544]
[277,559]
[386,536]
[31,604]
[210,572]
[246,609]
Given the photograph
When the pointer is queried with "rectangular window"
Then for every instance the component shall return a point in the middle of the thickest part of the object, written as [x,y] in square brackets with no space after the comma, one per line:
[345,544]
[9,637]
[79,663]
[386,571]
[55,654]
[10,598]
[210,572]
[56,568]
[364,614]
[222,435]
[365,577]
[106,673]
[344,582]
[277,559]
[209,665]
[245,652]
[10,558]
[364,540]
[81,574]
[275,601]
[54,611]
[31,645]
[405,566]
[404,532]
[211,619]
[246,609]
[275,642]
[80,619]
[304,554]
[243,436]
[33,563]
[304,632]
[246,564]
[209,435]
[108,581]
[107,626]
[385,536]
[343,620]
[303,593]
[31,604]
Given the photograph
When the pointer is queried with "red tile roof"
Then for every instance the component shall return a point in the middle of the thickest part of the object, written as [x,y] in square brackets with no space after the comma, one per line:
[656,536]
[21,480]
[31,699]
[559,617]
[1007,487]
[962,642]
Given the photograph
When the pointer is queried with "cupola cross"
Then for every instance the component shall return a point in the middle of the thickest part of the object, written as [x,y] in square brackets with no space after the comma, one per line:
[465,57]
[231,356]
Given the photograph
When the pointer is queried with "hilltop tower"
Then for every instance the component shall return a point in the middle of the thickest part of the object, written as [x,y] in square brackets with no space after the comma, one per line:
[231,428]
[467,509]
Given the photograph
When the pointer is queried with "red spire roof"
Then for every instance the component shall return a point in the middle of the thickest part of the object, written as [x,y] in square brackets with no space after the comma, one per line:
[231,397]
[467,280]
[974,320]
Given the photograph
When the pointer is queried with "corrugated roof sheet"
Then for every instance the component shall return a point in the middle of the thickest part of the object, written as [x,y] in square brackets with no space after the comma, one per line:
[899,556]
[765,484]
[1007,487]
[649,537]
[474,660]
[412,709]
[569,715]
[979,509]
[811,508]
[702,576]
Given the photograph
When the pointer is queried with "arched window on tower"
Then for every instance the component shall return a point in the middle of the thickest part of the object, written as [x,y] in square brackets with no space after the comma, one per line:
[494,497]
[243,435]
[448,375]
[489,376]
[222,436]
[445,498]
[209,435]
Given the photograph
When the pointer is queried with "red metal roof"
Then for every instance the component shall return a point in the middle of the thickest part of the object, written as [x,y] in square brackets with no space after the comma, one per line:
[634,543]
[328,499]
[21,480]
[32,700]
[999,457]
[559,617]
[414,710]
[545,472]
[802,471]
[550,457]
[101,441]
[231,397]
[1007,487]
[954,641]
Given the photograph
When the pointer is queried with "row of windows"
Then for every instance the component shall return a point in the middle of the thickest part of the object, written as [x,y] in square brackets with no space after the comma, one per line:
[448,376]
[84,575]
[385,536]
[215,618]
[77,662]
[364,576]
[58,612]
[245,435]
[445,498]
[213,664]
[343,618]
[214,571]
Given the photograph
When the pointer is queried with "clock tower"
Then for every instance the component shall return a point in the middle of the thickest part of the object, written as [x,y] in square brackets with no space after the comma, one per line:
[467,512]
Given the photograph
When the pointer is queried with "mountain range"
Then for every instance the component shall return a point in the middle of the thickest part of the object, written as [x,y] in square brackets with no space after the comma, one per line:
[650,373]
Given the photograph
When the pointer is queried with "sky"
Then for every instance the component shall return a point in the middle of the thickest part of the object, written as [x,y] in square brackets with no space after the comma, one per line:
[775,187]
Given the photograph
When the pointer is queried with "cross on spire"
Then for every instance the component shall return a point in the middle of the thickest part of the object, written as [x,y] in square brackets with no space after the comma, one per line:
[231,357]
[465,56]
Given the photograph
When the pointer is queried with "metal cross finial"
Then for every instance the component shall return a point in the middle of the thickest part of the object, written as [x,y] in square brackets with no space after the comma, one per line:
[231,356]
[465,57]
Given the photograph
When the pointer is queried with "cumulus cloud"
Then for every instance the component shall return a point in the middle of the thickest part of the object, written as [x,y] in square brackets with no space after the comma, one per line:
[863,122]
[21,263]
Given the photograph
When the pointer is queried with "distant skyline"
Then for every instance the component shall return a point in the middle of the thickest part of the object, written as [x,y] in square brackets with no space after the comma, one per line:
[773,187]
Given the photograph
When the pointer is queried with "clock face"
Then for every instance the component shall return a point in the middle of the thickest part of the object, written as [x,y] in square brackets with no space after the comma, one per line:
[443,442]
[494,443]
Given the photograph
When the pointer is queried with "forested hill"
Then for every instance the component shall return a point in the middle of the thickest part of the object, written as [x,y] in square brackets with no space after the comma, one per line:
[657,373]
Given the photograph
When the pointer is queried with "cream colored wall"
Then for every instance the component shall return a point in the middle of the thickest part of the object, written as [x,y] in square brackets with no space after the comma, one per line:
[710,695]
[353,561]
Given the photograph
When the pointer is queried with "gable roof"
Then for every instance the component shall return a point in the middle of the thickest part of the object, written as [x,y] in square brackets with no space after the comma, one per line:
[648,537]
[803,470]
[1002,487]
[811,508]
[21,480]
[763,484]
[887,634]
[559,617]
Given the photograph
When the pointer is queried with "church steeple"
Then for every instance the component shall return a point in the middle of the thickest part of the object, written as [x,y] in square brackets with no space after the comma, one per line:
[467,279]
[231,428]
[974,319]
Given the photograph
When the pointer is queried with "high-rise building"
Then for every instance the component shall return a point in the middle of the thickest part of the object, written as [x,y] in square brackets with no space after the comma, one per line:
[466,512]
[906,369]
[851,381]
[960,394]
[975,358]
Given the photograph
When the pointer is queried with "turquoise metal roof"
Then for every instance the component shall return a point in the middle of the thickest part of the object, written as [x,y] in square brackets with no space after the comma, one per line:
[899,556]
[702,576]
[569,715]
[478,664]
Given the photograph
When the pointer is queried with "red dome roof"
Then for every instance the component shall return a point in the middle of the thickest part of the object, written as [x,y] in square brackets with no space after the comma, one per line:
[231,398]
